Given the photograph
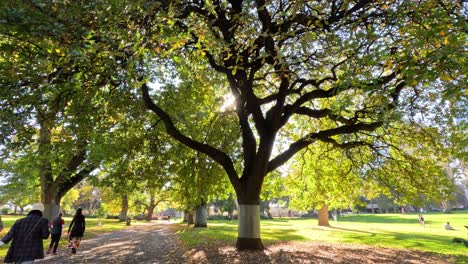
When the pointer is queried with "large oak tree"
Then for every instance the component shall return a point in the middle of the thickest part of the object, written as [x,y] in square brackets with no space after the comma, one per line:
[344,69]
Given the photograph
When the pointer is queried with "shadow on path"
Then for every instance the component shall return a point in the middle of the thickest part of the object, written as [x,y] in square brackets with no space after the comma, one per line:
[138,244]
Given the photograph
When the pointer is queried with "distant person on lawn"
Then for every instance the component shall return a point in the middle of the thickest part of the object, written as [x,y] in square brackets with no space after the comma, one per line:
[77,227]
[421,220]
[27,235]
[447,226]
[55,233]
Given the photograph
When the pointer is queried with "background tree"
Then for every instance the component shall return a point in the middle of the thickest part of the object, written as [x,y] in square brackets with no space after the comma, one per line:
[53,60]
[69,200]
[89,198]
[19,185]
[323,179]
[273,190]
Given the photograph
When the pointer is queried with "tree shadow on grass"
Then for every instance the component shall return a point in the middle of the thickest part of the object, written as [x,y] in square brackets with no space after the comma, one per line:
[351,230]
[277,236]
[430,243]
[382,218]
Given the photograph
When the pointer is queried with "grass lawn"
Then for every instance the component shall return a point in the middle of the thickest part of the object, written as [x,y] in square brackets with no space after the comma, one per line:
[92,230]
[383,230]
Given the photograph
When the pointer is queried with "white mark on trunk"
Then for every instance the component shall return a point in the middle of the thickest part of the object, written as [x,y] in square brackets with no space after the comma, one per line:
[249,221]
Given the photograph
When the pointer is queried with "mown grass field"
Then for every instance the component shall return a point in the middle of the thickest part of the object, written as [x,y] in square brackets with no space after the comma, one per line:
[92,230]
[383,230]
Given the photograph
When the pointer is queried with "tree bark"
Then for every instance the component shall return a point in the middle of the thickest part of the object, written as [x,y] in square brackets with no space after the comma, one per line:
[150,208]
[248,237]
[124,210]
[186,216]
[323,216]
[49,189]
[51,201]
[201,215]
[190,218]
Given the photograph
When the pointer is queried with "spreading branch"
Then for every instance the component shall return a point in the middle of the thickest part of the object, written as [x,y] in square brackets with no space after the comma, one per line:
[217,155]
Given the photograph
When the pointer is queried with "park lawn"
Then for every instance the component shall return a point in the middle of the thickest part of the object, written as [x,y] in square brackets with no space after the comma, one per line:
[92,230]
[383,230]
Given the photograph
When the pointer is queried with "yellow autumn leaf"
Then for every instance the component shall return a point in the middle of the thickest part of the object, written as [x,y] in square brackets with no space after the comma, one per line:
[388,64]
[445,77]
[446,41]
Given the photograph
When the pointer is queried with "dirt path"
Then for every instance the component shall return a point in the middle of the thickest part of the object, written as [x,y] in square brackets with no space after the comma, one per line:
[154,243]
[157,243]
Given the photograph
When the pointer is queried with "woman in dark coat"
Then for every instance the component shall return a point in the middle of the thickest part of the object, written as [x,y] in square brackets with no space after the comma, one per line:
[77,227]
[27,235]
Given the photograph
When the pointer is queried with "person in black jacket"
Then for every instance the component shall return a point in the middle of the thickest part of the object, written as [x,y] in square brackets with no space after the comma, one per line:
[77,227]
[27,235]
[55,233]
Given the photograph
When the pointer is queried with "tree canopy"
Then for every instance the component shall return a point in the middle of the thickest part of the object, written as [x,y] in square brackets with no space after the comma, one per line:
[338,72]
[248,83]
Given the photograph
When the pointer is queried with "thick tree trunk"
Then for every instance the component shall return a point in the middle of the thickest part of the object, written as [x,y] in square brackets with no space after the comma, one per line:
[248,198]
[201,215]
[186,216]
[150,208]
[49,189]
[190,218]
[51,202]
[249,227]
[265,209]
[323,216]
[124,210]
[149,216]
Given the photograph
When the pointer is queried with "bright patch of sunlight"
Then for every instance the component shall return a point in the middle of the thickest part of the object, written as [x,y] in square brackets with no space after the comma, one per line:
[154,85]
[228,104]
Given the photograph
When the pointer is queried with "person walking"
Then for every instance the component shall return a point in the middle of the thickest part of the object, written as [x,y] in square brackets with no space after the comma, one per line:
[77,227]
[421,220]
[27,234]
[55,233]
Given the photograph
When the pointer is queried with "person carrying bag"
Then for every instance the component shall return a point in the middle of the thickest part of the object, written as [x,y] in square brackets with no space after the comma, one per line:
[55,233]
[27,235]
